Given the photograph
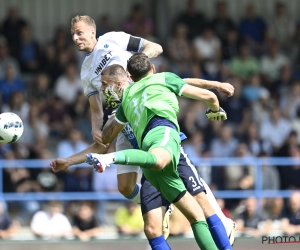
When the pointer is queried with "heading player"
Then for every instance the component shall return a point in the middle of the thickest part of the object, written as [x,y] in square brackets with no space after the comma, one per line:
[110,48]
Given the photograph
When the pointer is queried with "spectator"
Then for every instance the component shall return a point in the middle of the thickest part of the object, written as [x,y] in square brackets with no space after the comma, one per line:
[36,135]
[137,22]
[270,175]
[28,51]
[51,223]
[290,141]
[289,175]
[290,222]
[85,224]
[6,59]
[105,183]
[18,179]
[255,144]
[68,83]
[274,208]
[252,91]
[56,114]
[240,176]
[10,83]
[72,144]
[179,51]
[104,25]
[81,114]
[244,65]
[225,211]
[194,146]
[11,28]
[282,86]
[295,48]
[260,109]
[230,45]
[208,48]
[7,228]
[48,181]
[275,129]
[253,28]
[222,23]
[129,220]
[61,40]
[281,26]
[40,93]
[251,222]
[188,124]
[290,102]
[237,108]
[225,145]
[50,63]
[18,105]
[272,63]
[192,19]
[296,125]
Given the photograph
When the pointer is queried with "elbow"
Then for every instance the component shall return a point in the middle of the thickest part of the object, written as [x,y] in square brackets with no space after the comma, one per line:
[160,49]
[212,97]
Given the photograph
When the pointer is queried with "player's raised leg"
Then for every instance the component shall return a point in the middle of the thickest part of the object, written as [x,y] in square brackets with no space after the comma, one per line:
[127,174]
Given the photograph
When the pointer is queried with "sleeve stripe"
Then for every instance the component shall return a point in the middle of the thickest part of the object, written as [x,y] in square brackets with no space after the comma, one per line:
[141,44]
[180,92]
[92,93]
[123,123]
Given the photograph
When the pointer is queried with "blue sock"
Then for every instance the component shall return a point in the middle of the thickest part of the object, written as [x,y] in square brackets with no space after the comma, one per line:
[218,232]
[159,243]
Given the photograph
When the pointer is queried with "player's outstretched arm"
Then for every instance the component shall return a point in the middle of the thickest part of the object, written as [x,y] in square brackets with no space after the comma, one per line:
[96,116]
[207,96]
[60,164]
[151,49]
[221,87]
[214,111]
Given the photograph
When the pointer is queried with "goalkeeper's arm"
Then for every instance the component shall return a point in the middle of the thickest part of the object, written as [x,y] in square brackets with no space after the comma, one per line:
[222,87]
[207,96]
[214,112]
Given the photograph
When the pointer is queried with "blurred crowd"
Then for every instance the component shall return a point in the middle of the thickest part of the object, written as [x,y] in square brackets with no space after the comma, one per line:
[259,57]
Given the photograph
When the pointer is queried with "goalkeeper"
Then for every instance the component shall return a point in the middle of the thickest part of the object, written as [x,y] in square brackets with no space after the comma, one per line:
[150,105]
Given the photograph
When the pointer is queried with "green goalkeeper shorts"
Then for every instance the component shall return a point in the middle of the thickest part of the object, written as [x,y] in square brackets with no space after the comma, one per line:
[167,180]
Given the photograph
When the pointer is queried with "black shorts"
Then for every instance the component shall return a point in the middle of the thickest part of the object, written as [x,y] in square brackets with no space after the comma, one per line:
[151,197]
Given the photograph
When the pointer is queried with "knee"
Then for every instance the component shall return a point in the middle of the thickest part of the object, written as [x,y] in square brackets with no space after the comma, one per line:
[152,231]
[125,188]
[160,163]
[163,158]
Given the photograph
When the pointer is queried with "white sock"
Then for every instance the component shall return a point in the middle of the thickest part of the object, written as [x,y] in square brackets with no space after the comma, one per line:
[135,196]
[212,200]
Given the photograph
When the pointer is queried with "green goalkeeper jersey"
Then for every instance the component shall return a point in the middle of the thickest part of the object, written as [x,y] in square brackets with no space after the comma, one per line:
[152,95]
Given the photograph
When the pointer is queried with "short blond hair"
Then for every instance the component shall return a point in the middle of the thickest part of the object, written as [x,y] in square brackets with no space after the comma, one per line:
[84,18]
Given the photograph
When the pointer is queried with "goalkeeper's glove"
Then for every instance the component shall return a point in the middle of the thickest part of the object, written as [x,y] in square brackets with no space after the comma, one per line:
[219,115]
[112,98]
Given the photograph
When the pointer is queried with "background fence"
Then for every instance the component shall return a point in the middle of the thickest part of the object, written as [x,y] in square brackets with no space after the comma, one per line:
[258,192]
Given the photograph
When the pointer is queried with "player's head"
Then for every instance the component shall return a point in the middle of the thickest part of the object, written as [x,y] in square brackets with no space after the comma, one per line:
[83,30]
[139,66]
[114,75]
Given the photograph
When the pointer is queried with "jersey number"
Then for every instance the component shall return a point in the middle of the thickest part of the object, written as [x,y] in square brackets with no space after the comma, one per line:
[138,108]
[191,178]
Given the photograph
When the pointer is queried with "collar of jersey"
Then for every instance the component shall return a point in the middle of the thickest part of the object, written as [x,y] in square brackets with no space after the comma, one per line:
[88,54]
